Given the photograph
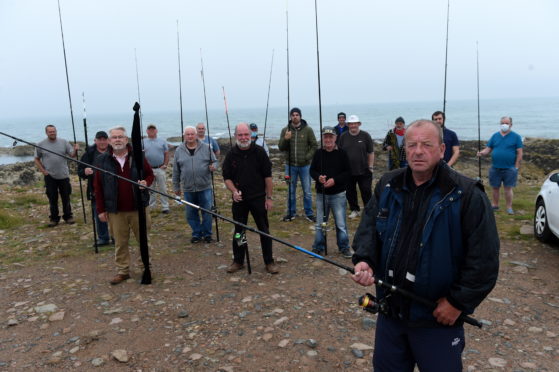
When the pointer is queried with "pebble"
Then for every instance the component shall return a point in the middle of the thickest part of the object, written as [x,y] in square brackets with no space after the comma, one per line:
[74,350]
[56,316]
[360,346]
[497,362]
[312,353]
[183,314]
[509,322]
[357,353]
[535,330]
[98,362]
[121,355]
[312,343]
[520,269]
[283,343]
[195,356]
[49,308]
[116,321]
[550,334]
[528,365]
[12,322]
[281,320]
[186,350]
[267,336]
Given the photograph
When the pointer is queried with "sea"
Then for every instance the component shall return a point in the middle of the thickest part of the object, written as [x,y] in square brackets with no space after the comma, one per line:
[532,117]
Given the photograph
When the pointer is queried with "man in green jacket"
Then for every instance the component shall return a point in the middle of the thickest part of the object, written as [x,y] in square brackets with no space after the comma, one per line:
[297,140]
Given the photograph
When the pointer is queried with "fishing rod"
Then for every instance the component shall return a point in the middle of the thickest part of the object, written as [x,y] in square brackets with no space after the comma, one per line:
[268,100]
[214,206]
[138,87]
[138,153]
[478,115]
[180,80]
[70,100]
[177,199]
[287,177]
[91,196]
[227,116]
[323,225]
[446,55]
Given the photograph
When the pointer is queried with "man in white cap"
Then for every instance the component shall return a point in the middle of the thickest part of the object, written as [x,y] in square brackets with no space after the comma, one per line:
[359,147]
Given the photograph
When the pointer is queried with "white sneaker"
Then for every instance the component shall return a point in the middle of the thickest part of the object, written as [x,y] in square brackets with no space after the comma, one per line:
[354,214]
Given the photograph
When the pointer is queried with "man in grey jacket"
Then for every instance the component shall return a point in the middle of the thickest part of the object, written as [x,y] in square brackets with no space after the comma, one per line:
[192,167]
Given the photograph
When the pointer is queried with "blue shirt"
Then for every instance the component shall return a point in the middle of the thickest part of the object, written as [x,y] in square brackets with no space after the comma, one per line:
[504,149]
[212,142]
[450,139]
[155,149]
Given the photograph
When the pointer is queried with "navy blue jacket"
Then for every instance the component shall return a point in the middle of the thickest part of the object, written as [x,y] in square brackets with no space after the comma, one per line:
[458,248]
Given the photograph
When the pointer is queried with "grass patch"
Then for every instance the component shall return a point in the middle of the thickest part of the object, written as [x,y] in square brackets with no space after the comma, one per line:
[26,201]
[7,221]
[523,204]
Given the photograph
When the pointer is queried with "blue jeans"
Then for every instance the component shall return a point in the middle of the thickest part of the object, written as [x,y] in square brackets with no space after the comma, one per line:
[203,228]
[302,173]
[102,227]
[336,203]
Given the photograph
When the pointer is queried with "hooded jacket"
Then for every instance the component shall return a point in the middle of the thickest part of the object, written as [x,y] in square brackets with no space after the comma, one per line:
[458,250]
[300,149]
[192,171]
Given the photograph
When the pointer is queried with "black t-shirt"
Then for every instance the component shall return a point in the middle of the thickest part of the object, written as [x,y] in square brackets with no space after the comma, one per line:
[358,148]
[248,169]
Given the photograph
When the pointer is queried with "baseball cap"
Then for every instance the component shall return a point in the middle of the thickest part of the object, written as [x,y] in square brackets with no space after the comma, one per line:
[253,126]
[328,130]
[101,134]
[152,126]
[353,119]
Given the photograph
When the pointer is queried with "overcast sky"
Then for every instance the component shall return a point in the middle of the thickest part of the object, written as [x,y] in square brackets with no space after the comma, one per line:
[370,51]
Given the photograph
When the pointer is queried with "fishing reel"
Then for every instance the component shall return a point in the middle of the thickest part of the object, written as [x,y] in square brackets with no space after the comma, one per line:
[240,238]
[287,179]
[370,304]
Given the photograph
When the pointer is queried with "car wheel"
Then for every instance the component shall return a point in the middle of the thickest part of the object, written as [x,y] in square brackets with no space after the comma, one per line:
[541,227]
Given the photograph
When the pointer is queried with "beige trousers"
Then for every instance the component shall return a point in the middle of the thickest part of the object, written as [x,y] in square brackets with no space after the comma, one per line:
[120,224]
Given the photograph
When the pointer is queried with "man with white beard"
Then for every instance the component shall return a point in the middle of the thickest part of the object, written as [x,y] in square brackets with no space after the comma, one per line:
[247,172]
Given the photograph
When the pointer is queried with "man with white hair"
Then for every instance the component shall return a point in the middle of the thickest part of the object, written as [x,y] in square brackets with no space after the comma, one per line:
[193,165]
[115,197]
[247,172]
[358,145]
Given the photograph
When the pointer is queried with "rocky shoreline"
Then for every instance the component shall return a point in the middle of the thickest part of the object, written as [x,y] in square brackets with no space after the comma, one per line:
[540,157]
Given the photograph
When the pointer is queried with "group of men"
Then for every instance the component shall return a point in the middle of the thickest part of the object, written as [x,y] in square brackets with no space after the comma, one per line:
[426,228]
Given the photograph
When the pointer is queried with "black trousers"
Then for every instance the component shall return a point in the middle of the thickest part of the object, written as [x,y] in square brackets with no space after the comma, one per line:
[365,182]
[53,187]
[240,213]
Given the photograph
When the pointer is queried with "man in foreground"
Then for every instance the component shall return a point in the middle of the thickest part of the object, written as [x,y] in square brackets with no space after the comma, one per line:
[115,199]
[297,140]
[157,154]
[91,156]
[247,172]
[452,145]
[331,171]
[505,148]
[56,174]
[358,145]
[431,231]
[193,165]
